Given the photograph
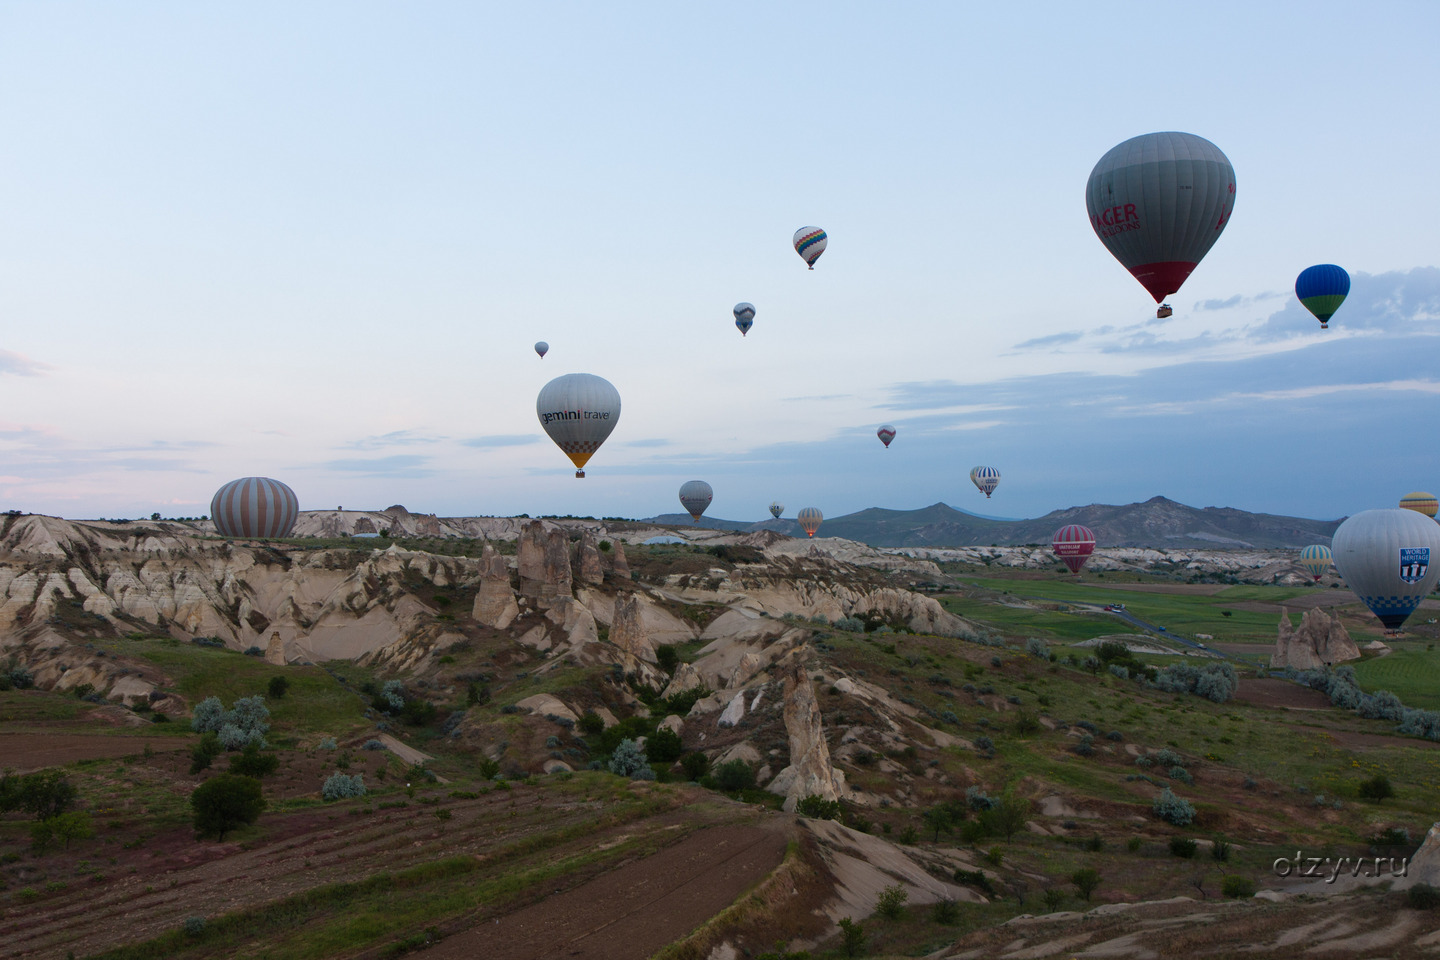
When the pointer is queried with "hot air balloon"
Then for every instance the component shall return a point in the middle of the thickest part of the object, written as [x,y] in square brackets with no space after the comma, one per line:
[695,496]
[810,243]
[986,478]
[1159,202]
[254,507]
[776,508]
[1388,558]
[1420,502]
[1316,559]
[1073,544]
[578,411]
[809,519]
[744,317]
[1321,289]
[542,348]
[886,434]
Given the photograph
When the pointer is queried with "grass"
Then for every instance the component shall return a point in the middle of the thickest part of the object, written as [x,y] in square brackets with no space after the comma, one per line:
[1411,673]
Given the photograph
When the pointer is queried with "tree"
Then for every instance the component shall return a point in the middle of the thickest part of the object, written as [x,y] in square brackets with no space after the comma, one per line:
[663,746]
[250,762]
[205,752]
[1086,881]
[852,937]
[1376,788]
[891,902]
[46,794]
[629,761]
[277,688]
[1009,815]
[939,819]
[75,825]
[225,802]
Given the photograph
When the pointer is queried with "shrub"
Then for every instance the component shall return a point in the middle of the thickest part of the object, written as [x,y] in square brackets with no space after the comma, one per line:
[734,775]
[477,694]
[1054,898]
[1220,851]
[850,624]
[1008,816]
[374,745]
[250,762]
[1236,887]
[1086,746]
[1085,881]
[1172,809]
[277,688]
[343,786]
[1115,735]
[695,765]
[977,799]
[852,937]
[663,746]
[328,743]
[891,902]
[1376,788]
[43,795]
[208,716]
[1181,774]
[194,926]
[909,835]
[984,744]
[591,723]
[1026,724]
[253,651]
[976,879]
[1422,896]
[1037,648]
[1133,844]
[247,722]
[667,657]
[945,912]
[629,761]
[392,696]
[223,803]
[1094,844]
[1182,847]
[1091,664]
[62,828]
[818,808]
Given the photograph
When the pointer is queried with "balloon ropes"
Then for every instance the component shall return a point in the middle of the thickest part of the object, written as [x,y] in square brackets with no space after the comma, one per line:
[809,519]
[1073,544]
[695,496]
[578,411]
[1420,502]
[1388,558]
[886,434]
[1159,202]
[1321,289]
[1316,559]
[776,508]
[744,317]
[254,507]
[986,479]
[542,348]
[810,243]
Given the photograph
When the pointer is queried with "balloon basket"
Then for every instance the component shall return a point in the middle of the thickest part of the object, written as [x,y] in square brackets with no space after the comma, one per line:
[580,474]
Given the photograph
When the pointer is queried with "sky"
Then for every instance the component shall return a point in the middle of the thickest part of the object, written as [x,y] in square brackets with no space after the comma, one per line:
[317,241]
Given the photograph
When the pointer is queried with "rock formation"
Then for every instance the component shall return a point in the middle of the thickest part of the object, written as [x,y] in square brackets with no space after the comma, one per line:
[810,772]
[627,631]
[591,570]
[620,566]
[275,650]
[495,604]
[1320,640]
[544,555]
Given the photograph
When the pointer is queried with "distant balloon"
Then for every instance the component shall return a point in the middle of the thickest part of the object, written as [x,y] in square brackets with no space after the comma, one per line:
[809,519]
[744,317]
[1388,558]
[986,478]
[810,243]
[695,496]
[254,507]
[578,411]
[1321,289]
[1316,559]
[886,434]
[1420,502]
[1073,544]
[1159,202]
[776,508]
[542,348]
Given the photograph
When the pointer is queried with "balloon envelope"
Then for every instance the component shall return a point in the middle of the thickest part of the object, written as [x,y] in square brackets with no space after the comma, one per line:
[1321,289]
[1388,558]
[886,434]
[1420,502]
[1159,202]
[254,507]
[986,478]
[578,411]
[810,243]
[744,317]
[1316,559]
[776,508]
[542,348]
[695,496]
[809,519]
[1073,544]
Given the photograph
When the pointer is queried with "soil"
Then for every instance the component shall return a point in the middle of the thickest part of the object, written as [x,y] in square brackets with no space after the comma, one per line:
[633,911]
[25,752]
[1281,693]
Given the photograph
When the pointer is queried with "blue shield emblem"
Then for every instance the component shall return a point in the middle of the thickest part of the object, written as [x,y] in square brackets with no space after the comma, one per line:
[1414,561]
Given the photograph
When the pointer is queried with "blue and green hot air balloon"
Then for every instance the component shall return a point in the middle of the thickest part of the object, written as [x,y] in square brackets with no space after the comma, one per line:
[1321,289]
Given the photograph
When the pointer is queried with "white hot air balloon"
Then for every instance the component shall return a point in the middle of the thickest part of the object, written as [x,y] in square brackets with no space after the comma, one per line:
[744,317]
[1388,557]
[776,508]
[542,348]
[578,411]
[986,479]
[886,434]
[810,242]
[695,496]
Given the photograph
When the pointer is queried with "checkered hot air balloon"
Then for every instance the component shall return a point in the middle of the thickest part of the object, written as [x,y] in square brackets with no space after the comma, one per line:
[1073,544]
[810,243]
[809,519]
[1316,559]
[1388,558]
[254,507]
[986,478]
[578,411]
[695,496]
[1321,289]
[1420,502]
[744,317]
[886,434]
[1159,202]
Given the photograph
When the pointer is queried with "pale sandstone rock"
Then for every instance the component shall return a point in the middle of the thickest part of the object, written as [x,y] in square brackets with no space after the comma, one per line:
[674,723]
[686,678]
[619,566]
[1319,641]
[546,705]
[810,772]
[732,713]
[495,604]
[627,631]
[591,570]
[275,650]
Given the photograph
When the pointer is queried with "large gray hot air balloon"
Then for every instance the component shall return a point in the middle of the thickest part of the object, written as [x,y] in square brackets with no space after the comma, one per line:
[1388,558]
[256,507]
[1159,202]
[578,411]
[776,508]
[695,496]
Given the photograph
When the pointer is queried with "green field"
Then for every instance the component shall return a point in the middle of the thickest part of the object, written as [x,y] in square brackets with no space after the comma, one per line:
[1413,675]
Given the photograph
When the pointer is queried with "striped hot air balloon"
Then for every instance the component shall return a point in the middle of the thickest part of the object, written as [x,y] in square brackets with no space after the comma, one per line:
[986,478]
[695,496]
[744,317]
[578,411]
[254,507]
[809,519]
[776,508]
[1316,559]
[810,243]
[1073,544]
[1388,557]
[886,434]
[1159,202]
[1420,502]
[1321,289]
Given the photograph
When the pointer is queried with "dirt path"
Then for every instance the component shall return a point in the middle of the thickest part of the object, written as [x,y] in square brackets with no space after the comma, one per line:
[633,911]
[24,752]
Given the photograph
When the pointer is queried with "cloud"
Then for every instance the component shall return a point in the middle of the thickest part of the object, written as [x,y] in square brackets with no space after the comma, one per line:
[1054,340]
[21,366]
[501,440]
[652,442]
[396,438]
[399,465]
[1226,304]
[828,396]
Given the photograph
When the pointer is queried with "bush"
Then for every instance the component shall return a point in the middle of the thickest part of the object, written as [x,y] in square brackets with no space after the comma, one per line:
[62,828]
[1422,896]
[663,746]
[223,803]
[978,800]
[1094,844]
[591,723]
[1182,847]
[852,937]
[818,808]
[250,762]
[1376,788]
[327,743]
[1172,809]
[343,786]
[1236,887]
[1181,774]
[976,879]
[247,722]
[1085,881]
[1025,724]
[478,694]
[1220,851]
[194,926]
[945,912]
[629,761]
[891,902]
[373,745]
[850,624]
[42,795]
[734,775]
[695,765]
[1037,648]
[1119,671]
[392,696]
[1008,816]
[277,688]
[667,657]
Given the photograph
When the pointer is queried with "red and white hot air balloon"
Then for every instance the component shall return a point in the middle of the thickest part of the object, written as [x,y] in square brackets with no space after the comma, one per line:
[1073,544]
[886,434]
